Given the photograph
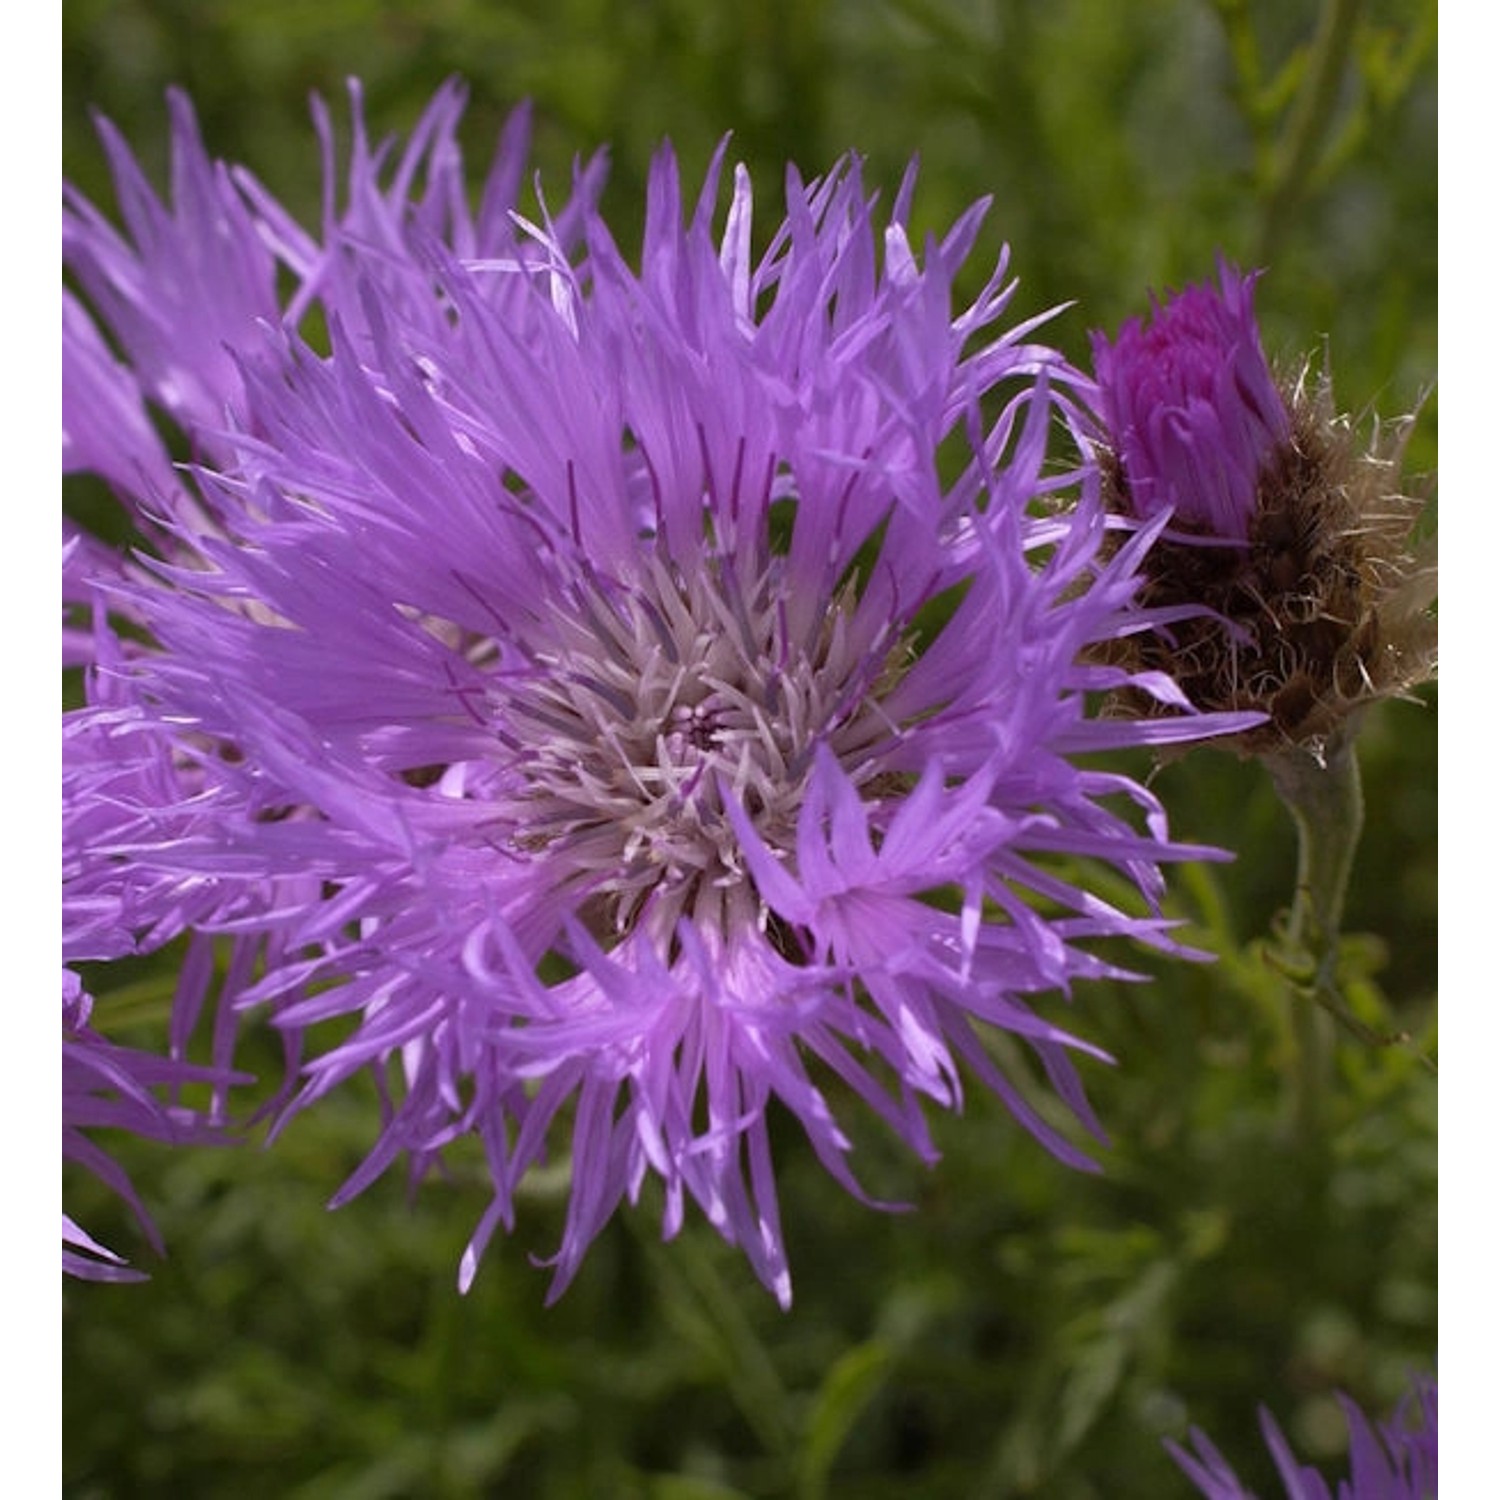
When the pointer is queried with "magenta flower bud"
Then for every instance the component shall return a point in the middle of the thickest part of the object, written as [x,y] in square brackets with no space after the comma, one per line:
[1193,413]
[1288,579]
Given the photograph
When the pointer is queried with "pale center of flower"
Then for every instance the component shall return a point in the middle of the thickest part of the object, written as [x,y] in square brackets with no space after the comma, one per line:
[644,707]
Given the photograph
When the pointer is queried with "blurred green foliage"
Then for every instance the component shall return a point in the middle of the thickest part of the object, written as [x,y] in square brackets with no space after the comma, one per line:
[1026,1330]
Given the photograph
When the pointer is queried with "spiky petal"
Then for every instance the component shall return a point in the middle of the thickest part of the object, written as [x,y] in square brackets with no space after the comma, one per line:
[1392,1460]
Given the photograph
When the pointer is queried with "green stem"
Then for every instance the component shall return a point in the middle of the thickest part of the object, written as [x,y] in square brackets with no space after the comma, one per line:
[1324,798]
[1311,113]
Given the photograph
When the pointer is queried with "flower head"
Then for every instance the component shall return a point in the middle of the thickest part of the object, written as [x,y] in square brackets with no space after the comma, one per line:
[1394,1460]
[1290,579]
[1194,417]
[633,723]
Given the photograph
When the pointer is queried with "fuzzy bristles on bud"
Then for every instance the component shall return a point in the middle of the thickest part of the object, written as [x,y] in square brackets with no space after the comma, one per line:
[1322,604]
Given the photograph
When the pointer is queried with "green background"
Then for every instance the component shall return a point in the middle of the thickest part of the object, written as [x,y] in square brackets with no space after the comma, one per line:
[1026,1330]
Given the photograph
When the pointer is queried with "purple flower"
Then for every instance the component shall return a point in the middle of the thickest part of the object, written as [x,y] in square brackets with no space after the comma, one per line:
[1396,1460]
[617,714]
[1193,414]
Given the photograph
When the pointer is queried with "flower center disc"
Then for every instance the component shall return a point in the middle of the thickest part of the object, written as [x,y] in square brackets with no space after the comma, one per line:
[643,706]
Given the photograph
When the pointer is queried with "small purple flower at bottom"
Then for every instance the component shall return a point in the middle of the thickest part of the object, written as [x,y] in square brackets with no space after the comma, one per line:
[1394,1460]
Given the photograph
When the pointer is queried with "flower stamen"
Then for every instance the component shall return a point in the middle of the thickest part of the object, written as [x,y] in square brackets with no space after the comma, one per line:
[644,701]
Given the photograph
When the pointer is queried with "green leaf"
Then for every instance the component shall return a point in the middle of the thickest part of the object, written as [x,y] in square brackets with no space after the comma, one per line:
[847,1390]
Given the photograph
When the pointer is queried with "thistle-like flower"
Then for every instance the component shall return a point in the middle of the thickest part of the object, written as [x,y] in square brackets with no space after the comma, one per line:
[633,723]
[1393,1460]
[1294,542]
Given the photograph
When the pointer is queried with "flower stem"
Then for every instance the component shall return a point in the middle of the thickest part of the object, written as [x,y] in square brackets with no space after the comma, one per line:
[1324,798]
[1296,157]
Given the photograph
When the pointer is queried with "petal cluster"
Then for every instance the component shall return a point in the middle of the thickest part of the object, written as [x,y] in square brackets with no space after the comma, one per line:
[137,800]
[1392,1460]
[1193,413]
[113,1087]
[629,696]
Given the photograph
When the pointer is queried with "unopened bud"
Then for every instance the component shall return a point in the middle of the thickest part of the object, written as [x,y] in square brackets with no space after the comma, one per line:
[1292,540]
